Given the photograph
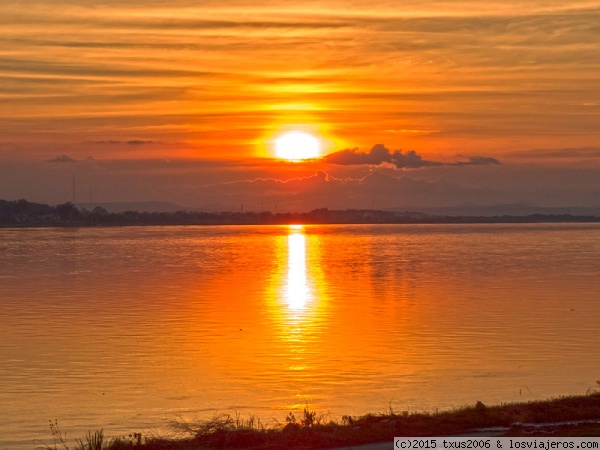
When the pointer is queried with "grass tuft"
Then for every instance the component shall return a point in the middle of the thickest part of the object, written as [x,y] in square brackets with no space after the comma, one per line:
[94,441]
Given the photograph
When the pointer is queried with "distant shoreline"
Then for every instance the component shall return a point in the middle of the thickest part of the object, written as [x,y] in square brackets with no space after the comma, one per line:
[24,214]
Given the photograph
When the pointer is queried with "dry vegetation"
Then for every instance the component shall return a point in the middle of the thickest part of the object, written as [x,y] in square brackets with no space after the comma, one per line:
[568,416]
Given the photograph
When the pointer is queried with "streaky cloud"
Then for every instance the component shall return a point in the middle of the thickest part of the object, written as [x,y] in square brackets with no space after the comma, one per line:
[129,142]
[319,175]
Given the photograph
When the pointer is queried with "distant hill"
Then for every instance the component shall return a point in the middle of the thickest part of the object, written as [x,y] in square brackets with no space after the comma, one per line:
[120,207]
[515,209]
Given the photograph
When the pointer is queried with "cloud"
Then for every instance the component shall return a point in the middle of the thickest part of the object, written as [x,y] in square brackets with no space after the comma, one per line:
[62,159]
[476,161]
[379,154]
[140,142]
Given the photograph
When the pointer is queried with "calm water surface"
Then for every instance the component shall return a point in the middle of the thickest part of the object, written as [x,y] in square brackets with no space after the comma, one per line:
[129,328]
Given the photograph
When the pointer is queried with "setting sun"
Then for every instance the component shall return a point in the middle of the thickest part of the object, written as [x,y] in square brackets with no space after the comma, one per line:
[296,145]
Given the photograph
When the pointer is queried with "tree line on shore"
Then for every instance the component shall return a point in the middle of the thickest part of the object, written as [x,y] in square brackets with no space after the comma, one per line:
[22,213]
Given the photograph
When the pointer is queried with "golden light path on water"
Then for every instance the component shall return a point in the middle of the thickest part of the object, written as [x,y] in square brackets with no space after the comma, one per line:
[297,292]
[300,322]
[296,295]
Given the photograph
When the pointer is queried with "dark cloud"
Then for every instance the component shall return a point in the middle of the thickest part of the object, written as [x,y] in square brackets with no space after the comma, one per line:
[477,161]
[140,142]
[379,154]
[62,159]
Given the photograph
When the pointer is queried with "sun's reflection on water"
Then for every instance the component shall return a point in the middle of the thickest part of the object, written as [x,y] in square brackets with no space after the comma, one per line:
[300,307]
[297,292]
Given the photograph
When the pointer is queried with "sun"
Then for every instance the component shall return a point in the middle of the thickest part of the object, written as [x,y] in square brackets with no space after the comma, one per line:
[296,146]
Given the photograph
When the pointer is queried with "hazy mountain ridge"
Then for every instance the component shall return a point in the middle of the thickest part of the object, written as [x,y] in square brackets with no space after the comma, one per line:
[516,209]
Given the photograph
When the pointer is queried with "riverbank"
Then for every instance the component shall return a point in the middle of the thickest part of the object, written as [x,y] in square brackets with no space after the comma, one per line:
[568,416]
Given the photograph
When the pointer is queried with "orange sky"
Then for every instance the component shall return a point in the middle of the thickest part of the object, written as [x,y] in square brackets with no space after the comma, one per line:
[515,81]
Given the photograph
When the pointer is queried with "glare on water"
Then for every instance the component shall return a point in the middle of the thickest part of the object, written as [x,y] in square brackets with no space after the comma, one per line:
[297,293]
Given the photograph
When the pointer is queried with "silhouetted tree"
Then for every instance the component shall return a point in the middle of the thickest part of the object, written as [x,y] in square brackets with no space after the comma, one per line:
[99,210]
[67,211]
